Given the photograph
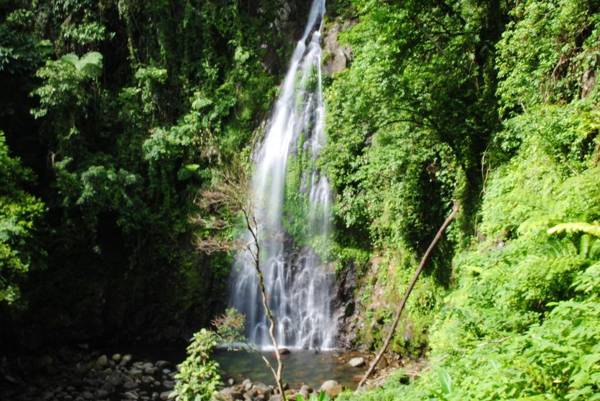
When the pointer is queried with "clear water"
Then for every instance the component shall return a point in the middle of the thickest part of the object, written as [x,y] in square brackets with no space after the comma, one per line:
[301,367]
[298,283]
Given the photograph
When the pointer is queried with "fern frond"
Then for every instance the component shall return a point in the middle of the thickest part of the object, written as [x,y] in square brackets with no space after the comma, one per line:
[587,228]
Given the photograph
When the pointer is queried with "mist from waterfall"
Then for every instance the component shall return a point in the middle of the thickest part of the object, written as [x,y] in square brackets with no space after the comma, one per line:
[299,284]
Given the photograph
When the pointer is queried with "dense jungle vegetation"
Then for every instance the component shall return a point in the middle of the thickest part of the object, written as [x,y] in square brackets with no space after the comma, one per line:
[116,115]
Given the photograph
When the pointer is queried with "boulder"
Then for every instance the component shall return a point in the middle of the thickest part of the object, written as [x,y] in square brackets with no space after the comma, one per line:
[247,385]
[166,395]
[284,351]
[305,391]
[228,394]
[102,362]
[125,359]
[131,395]
[263,389]
[331,388]
[357,362]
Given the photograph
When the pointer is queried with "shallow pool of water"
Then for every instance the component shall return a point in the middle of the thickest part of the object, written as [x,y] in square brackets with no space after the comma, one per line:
[300,367]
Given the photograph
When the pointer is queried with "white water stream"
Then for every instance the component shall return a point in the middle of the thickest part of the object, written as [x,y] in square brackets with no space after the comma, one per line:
[299,285]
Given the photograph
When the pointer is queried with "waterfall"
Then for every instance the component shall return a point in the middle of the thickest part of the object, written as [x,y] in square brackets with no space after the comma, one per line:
[292,202]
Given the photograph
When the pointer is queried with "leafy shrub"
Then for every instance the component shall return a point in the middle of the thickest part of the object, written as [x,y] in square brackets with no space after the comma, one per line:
[20,213]
[198,376]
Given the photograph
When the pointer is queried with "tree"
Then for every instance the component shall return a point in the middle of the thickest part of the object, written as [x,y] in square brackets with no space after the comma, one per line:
[231,192]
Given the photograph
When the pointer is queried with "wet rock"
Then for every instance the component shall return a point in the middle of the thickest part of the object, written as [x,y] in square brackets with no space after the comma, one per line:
[114,379]
[131,395]
[134,372]
[305,391]
[331,388]
[357,362]
[125,359]
[229,394]
[150,371]
[87,395]
[247,385]
[102,362]
[284,351]
[162,364]
[116,357]
[168,384]
[337,56]
[263,389]
[129,385]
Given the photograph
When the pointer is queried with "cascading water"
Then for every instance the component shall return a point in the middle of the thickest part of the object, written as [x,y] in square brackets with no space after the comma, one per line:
[298,283]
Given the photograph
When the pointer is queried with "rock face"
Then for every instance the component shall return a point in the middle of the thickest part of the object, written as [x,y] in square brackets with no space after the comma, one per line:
[357,362]
[337,57]
[331,388]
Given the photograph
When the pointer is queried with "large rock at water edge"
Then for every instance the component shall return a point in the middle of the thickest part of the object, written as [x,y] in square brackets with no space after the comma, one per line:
[228,394]
[357,362]
[332,388]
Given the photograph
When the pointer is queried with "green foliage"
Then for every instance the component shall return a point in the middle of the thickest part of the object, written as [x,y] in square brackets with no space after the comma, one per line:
[521,319]
[125,111]
[197,377]
[64,81]
[545,51]
[230,326]
[20,213]
[592,229]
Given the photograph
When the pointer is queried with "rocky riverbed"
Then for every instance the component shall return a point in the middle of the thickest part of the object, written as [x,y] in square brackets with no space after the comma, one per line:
[71,375]
[80,374]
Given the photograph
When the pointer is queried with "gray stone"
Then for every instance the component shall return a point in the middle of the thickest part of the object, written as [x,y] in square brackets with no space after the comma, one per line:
[167,395]
[135,372]
[114,379]
[116,357]
[331,388]
[102,362]
[229,394]
[168,384]
[305,391]
[247,385]
[125,359]
[162,364]
[130,385]
[87,395]
[263,389]
[131,395]
[357,362]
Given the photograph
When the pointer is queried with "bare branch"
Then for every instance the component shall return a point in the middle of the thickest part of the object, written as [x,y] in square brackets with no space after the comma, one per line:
[411,285]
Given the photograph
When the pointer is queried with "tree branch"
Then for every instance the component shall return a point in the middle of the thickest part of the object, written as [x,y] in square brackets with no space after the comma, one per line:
[411,286]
